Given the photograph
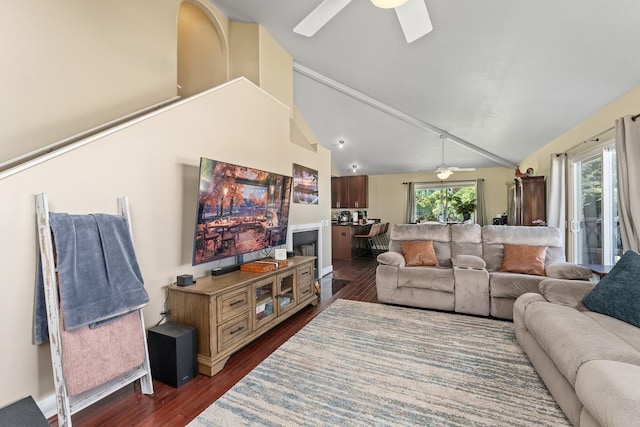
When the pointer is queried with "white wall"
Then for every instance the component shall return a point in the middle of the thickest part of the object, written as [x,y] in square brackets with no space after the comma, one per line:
[601,120]
[69,65]
[155,163]
[72,65]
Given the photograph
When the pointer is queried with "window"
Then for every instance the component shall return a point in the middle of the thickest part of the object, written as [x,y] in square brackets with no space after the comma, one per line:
[593,213]
[455,202]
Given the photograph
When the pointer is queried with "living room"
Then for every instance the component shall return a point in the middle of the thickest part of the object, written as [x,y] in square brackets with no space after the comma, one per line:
[72,67]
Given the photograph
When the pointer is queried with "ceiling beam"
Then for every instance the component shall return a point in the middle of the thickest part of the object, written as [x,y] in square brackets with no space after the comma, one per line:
[394,112]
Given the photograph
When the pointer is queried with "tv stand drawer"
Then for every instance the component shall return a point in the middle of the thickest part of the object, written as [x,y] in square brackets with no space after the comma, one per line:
[230,304]
[233,331]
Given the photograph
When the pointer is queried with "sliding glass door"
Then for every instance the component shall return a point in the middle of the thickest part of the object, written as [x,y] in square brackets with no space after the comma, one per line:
[595,237]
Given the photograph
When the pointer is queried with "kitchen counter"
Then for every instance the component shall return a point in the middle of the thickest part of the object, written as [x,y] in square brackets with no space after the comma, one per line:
[343,244]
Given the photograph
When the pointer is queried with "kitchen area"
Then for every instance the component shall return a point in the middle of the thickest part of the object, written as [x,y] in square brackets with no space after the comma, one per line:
[349,217]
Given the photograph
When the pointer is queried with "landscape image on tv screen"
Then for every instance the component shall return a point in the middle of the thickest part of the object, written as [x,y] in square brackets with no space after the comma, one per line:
[240,210]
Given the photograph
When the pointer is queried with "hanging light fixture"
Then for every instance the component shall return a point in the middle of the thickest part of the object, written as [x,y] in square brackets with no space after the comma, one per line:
[444,174]
[388,4]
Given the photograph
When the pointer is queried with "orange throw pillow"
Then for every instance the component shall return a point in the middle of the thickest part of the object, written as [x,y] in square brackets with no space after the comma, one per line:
[420,252]
[524,259]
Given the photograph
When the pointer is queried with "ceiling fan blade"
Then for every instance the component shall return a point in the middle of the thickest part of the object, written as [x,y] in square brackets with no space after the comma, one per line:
[414,19]
[443,167]
[319,17]
[453,168]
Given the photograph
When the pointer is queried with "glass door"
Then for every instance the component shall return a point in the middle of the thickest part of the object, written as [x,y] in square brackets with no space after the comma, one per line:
[286,291]
[264,300]
[595,237]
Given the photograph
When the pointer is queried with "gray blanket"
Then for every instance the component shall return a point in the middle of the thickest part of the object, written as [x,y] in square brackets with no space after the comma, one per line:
[98,274]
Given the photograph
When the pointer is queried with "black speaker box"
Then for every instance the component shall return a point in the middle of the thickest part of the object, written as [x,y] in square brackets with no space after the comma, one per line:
[173,353]
[184,280]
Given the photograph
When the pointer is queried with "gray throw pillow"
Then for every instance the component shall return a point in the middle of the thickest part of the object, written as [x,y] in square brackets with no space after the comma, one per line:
[618,293]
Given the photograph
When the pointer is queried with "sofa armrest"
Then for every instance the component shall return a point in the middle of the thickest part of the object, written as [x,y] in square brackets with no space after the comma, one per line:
[567,270]
[565,292]
[391,258]
[468,261]
[608,389]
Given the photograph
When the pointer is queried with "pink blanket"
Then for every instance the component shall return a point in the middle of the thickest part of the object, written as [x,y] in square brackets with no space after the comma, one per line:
[92,357]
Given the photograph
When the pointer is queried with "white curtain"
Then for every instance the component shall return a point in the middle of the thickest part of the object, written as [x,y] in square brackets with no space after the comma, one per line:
[411,203]
[557,206]
[481,211]
[628,159]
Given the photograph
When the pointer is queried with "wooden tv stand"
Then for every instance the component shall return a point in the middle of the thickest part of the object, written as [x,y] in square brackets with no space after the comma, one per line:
[232,310]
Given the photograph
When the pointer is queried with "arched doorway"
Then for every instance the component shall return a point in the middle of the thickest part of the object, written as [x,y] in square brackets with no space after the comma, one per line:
[201,55]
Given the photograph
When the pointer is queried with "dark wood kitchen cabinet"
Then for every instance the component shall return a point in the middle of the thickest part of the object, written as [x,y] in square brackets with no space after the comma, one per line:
[350,192]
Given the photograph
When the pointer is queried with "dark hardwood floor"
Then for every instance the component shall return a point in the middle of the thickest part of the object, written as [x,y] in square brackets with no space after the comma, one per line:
[176,407]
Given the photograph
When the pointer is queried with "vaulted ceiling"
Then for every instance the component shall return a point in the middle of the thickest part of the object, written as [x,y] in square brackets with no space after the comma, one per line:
[498,78]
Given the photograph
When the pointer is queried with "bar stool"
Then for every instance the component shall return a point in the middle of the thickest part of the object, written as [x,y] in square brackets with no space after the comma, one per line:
[381,240]
[373,231]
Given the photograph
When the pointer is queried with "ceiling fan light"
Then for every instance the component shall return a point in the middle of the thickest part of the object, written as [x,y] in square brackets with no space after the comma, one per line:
[444,174]
[388,4]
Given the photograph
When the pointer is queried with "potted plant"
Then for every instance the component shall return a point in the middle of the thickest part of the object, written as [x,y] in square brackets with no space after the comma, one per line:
[464,207]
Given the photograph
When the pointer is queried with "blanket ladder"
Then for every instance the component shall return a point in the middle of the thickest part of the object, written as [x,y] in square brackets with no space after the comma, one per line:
[69,405]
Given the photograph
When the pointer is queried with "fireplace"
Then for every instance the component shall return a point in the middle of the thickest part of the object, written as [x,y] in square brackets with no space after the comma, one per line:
[305,243]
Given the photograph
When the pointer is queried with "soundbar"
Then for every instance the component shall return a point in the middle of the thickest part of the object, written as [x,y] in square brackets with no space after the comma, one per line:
[219,271]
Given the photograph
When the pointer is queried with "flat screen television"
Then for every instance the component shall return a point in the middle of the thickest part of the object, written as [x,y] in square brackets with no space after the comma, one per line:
[240,210]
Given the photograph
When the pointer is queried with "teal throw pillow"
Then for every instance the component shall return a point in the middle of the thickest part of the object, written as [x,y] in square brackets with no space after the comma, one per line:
[618,293]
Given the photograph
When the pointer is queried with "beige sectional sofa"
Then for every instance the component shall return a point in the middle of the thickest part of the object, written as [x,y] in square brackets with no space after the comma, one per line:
[590,362]
[468,277]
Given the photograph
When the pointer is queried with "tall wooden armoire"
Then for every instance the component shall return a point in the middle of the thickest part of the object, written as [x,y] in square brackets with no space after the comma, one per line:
[526,200]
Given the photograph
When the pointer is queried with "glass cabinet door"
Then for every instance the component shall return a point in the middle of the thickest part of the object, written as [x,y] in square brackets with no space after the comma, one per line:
[263,292]
[286,291]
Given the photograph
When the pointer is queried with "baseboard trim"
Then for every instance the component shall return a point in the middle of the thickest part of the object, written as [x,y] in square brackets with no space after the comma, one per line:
[326,270]
[48,406]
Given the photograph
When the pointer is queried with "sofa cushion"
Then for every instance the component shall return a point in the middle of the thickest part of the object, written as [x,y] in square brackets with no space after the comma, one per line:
[516,235]
[512,285]
[566,270]
[572,339]
[469,233]
[609,391]
[524,259]
[439,232]
[494,236]
[466,239]
[443,252]
[565,292]
[618,293]
[435,278]
[419,253]
[623,330]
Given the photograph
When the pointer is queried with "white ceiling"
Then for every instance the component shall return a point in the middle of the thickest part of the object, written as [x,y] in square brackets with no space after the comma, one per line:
[505,76]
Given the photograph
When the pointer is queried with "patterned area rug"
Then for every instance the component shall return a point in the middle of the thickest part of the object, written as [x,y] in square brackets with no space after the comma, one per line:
[364,364]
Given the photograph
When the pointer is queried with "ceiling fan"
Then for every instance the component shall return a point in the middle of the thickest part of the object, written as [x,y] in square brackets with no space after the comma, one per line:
[412,14]
[442,170]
